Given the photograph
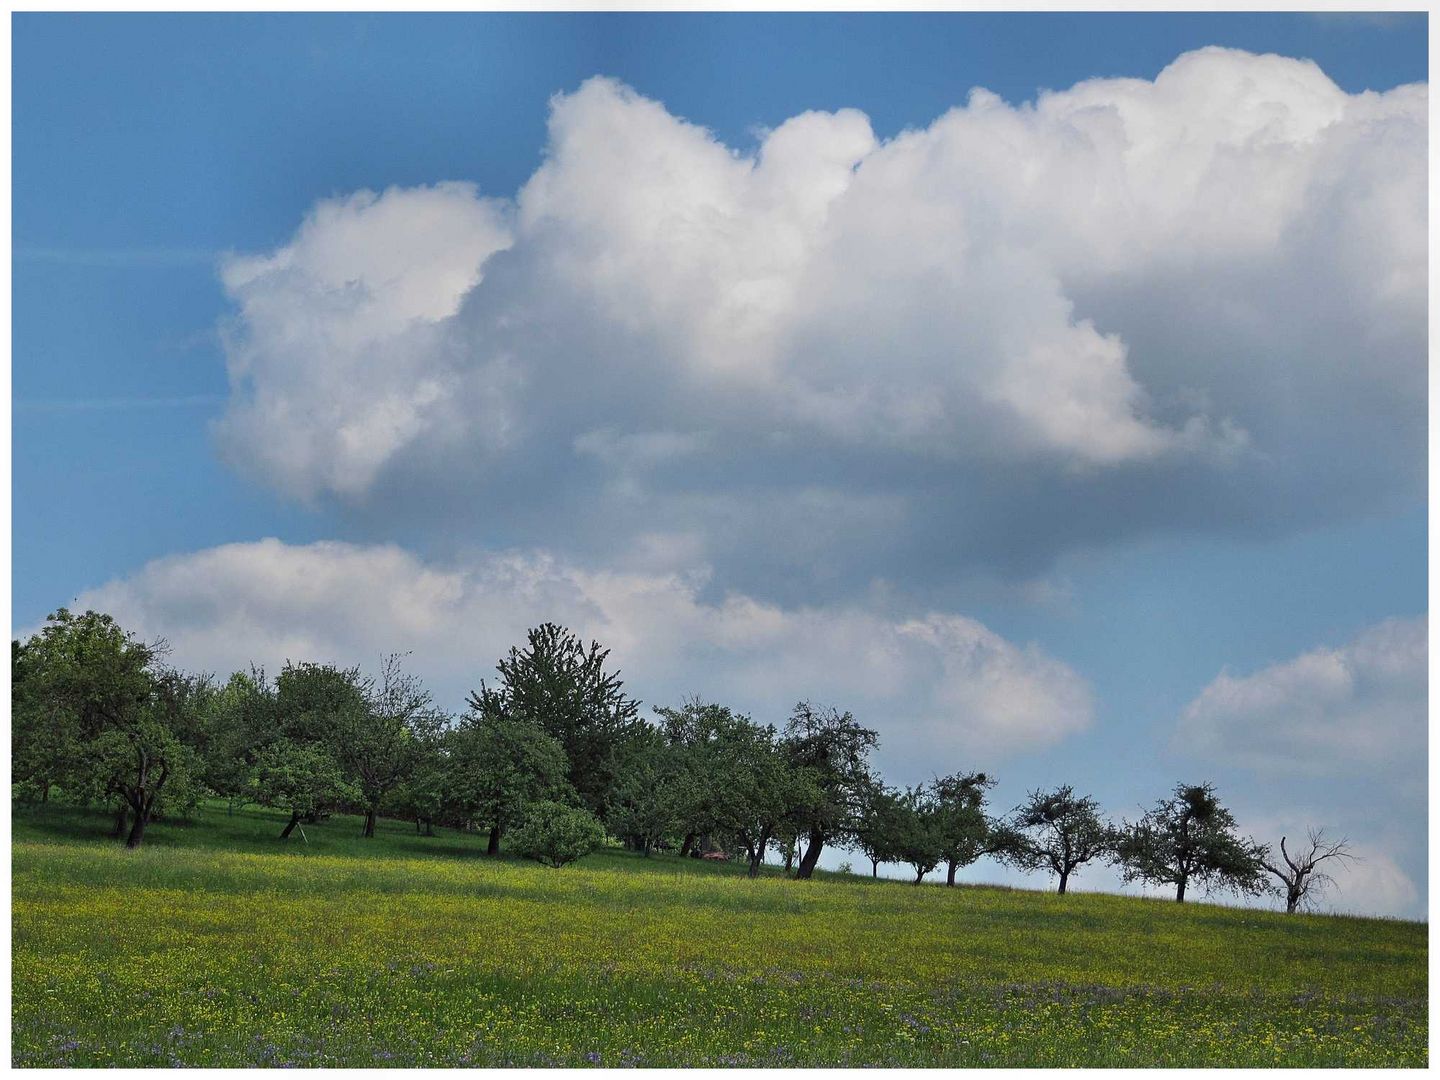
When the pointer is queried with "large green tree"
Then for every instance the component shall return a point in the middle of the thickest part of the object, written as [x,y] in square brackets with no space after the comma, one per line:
[965,831]
[95,710]
[755,786]
[378,745]
[1060,831]
[498,767]
[829,752]
[1190,838]
[562,686]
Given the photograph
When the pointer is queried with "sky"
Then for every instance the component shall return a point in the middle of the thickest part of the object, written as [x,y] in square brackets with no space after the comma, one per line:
[1048,390]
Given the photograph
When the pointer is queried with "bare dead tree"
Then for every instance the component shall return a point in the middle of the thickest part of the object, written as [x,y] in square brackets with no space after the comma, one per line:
[1299,875]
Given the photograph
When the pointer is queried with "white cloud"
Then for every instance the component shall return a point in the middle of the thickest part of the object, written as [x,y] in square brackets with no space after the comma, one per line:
[1142,294]
[1361,706]
[335,358]
[933,685]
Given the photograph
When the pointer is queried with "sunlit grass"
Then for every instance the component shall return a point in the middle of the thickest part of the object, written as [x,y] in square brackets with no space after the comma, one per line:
[218,945]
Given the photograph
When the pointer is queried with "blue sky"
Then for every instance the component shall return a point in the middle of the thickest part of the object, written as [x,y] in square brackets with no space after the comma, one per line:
[149,151]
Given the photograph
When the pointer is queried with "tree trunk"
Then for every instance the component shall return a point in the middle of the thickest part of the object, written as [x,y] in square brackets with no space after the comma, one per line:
[950,869]
[289,828]
[687,845]
[875,868]
[810,858]
[919,876]
[44,792]
[1064,879]
[369,824]
[1292,901]
[137,830]
[429,827]
[121,816]
[789,856]
[493,848]
[1180,891]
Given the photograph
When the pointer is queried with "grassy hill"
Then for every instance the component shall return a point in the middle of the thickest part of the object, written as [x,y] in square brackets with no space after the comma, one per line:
[218,945]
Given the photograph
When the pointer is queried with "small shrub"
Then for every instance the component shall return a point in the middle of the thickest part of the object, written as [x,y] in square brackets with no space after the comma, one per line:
[555,834]
[845,868]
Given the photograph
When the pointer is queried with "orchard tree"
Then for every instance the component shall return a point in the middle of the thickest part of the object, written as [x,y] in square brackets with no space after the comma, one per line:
[1060,831]
[921,842]
[965,831]
[424,792]
[829,752]
[378,744]
[498,767]
[555,834]
[698,779]
[562,687]
[95,711]
[1189,837]
[758,790]
[304,779]
[1299,874]
[650,795]
[238,728]
[880,827]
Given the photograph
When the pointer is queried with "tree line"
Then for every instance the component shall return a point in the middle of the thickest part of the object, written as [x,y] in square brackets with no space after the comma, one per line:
[553,756]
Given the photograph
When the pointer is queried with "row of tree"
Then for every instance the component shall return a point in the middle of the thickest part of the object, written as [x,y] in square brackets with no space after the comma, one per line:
[553,756]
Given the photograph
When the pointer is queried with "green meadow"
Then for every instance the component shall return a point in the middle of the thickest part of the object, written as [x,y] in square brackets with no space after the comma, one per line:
[218,945]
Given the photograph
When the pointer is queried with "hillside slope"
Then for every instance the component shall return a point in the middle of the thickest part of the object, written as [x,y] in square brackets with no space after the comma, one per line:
[218,945]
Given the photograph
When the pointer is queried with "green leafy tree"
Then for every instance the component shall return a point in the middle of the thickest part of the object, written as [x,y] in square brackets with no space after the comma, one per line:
[379,744]
[652,792]
[44,730]
[879,830]
[238,726]
[754,788]
[128,728]
[499,766]
[920,841]
[829,752]
[1190,838]
[561,686]
[966,832]
[1060,831]
[696,778]
[303,779]
[555,834]
[424,793]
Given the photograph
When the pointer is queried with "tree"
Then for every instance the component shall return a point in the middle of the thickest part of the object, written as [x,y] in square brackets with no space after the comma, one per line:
[98,712]
[44,730]
[303,779]
[652,790]
[920,841]
[558,684]
[880,826]
[698,780]
[1191,837]
[424,793]
[378,744]
[756,789]
[965,831]
[1299,874]
[555,834]
[498,767]
[829,752]
[1061,832]
[237,729]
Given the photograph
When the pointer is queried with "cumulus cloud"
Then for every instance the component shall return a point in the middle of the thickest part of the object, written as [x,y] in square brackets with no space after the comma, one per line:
[1197,302]
[933,685]
[1331,710]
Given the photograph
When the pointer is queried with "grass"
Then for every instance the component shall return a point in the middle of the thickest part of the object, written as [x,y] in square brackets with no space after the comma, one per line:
[218,945]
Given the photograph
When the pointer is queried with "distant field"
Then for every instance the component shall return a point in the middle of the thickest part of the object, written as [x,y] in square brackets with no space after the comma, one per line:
[218,945]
